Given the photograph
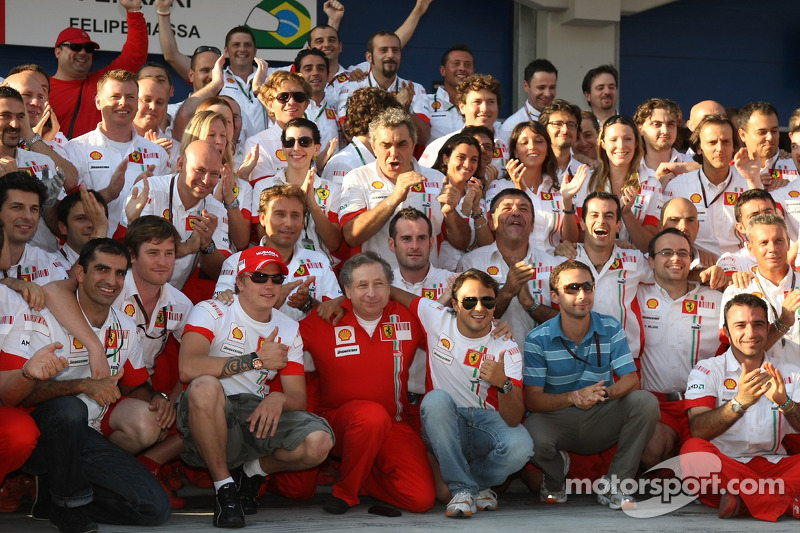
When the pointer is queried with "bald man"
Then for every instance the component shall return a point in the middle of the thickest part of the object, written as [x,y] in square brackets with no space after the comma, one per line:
[680,213]
[701,109]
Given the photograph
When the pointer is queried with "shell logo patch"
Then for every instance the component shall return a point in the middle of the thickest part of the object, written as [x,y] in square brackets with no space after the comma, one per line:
[437,105]
[345,335]
[652,303]
[230,80]
[695,198]
[492,270]
[77,344]
[794,194]
[237,334]
[130,310]
[377,185]
[446,343]
[729,383]
[758,294]
[280,155]
[96,156]
[165,214]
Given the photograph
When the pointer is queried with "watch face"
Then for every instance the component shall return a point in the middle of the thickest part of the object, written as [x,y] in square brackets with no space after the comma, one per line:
[257,364]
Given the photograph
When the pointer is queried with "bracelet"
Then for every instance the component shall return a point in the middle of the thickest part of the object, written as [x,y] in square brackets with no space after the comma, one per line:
[785,404]
[790,409]
[479,215]
[780,327]
[569,211]
[26,375]
[533,307]
[387,203]
[163,395]
[162,14]
[481,226]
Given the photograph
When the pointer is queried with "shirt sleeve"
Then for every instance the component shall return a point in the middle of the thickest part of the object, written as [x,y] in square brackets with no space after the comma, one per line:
[535,372]
[353,200]
[621,358]
[701,387]
[202,317]
[227,276]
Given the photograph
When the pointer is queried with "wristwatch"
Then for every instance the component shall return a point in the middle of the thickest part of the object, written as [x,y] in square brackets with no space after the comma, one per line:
[308,305]
[737,407]
[253,361]
[33,140]
[233,205]
[210,250]
[507,387]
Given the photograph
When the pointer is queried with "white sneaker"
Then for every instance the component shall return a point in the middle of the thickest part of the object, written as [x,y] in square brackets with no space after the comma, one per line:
[610,496]
[558,496]
[486,500]
[461,506]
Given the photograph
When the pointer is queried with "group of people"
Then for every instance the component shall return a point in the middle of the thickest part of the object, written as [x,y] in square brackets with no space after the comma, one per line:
[321,274]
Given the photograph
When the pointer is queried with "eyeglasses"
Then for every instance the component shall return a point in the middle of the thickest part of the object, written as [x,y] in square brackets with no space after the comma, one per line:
[304,142]
[298,97]
[558,124]
[201,49]
[575,288]
[87,47]
[487,147]
[488,302]
[666,253]
[260,277]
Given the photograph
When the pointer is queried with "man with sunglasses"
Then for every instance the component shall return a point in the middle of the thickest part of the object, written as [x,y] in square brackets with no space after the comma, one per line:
[680,323]
[570,364]
[73,88]
[74,411]
[246,400]
[472,411]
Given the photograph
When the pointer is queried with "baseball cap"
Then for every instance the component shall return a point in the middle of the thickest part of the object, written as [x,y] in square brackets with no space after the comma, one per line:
[75,35]
[255,258]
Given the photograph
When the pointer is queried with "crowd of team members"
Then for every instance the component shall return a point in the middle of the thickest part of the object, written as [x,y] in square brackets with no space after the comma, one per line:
[318,273]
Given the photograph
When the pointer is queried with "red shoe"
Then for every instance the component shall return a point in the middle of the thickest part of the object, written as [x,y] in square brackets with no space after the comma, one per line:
[170,475]
[175,501]
[731,506]
[13,490]
[198,477]
[794,508]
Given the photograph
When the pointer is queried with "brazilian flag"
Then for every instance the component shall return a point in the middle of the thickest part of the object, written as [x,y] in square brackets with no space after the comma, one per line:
[279,24]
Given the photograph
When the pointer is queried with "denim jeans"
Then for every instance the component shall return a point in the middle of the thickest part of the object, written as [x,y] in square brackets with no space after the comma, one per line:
[81,467]
[475,447]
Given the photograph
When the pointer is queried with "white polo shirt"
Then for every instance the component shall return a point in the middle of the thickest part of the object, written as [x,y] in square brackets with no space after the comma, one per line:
[366,187]
[524,114]
[232,332]
[454,361]
[760,431]
[14,335]
[499,157]
[445,116]
[714,205]
[170,316]
[354,155]
[324,116]
[165,201]
[37,266]
[419,103]
[677,334]
[739,261]
[270,153]
[38,165]
[96,158]
[254,114]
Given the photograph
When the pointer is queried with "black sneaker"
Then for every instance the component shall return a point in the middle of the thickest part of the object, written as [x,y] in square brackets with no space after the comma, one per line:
[228,507]
[248,492]
[72,520]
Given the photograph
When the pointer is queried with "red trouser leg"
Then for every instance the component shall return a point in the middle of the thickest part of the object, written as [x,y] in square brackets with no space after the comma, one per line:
[401,475]
[18,435]
[361,428]
[760,503]
[295,485]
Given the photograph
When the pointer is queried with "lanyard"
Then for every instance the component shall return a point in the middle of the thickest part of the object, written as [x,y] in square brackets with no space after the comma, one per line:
[19,272]
[584,361]
[172,197]
[321,111]
[435,101]
[775,313]
[144,326]
[530,115]
[355,145]
[247,93]
[703,190]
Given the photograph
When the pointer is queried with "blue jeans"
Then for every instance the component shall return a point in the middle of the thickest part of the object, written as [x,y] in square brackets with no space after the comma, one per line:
[82,467]
[475,447]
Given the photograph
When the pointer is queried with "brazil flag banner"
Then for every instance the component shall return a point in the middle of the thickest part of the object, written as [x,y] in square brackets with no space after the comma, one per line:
[279,24]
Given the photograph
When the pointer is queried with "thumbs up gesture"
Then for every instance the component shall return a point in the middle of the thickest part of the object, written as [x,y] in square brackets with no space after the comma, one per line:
[494,371]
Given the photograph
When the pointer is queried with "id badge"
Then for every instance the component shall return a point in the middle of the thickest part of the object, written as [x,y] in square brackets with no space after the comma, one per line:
[307,243]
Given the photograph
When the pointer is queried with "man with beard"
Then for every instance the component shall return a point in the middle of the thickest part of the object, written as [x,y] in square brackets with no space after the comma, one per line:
[562,121]
[600,88]
[539,85]
[658,120]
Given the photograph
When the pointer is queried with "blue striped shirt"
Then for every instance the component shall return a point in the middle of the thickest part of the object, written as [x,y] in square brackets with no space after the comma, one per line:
[549,364]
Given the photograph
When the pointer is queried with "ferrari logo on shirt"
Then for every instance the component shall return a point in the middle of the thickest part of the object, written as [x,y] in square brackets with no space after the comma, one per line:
[729,383]
[652,303]
[473,358]
[430,294]
[616,265]
[731,197]
[135,157]
[235,191]
[696,198]
[130,310]
[323,193]
[112,339]
[280,155]
[689,307]
[341,78]
[95,156]
[776,174]
[190,222]
[387,332]
[547,196]
[302,270]
[497,153]
[160,319]
[330,114]
[418,187]
[758,294]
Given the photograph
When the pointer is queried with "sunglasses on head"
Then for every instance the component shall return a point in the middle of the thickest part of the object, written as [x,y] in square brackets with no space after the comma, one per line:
[469,302]
[204,48]
[304,142]
[575,288]
[298,97]
[260,277]
[87,47]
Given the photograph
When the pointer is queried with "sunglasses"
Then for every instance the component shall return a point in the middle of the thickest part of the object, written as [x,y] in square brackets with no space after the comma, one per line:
[201,49]
[260,277]
[298,97]
[304,142]
[575,288]
[87,47]
[488,302]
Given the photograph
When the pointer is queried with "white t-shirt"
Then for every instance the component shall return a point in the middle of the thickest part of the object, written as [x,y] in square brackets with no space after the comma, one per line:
[37,266]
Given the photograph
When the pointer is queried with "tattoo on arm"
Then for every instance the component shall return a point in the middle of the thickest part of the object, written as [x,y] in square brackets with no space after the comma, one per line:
[233,366]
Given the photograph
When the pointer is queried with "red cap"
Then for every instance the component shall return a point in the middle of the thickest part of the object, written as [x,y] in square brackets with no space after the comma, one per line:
[75,35]
[255,258]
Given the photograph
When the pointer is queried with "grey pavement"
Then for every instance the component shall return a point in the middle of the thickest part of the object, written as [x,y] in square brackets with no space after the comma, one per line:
[519,511]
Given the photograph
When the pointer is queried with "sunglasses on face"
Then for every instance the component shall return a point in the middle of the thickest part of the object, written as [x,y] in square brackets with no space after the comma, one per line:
[201,49]
[304,142]
[260,277]
[88,47]
[488,302]
[575,288]
[298,97]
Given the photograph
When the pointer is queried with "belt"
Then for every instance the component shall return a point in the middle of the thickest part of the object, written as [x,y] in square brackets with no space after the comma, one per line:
[675,396]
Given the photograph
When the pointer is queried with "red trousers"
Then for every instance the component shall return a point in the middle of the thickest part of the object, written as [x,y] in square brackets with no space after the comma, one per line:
[763,506]
[18,435]
[379,457]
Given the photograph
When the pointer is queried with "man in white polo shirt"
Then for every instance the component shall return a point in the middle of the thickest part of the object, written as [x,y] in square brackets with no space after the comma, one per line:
[458,63]
[539,85]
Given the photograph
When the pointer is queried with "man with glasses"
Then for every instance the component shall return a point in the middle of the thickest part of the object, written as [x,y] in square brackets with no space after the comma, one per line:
[472,411]
[576,405]
[680,322]
[539,85]
[73,89]
[246,400]
[562,121]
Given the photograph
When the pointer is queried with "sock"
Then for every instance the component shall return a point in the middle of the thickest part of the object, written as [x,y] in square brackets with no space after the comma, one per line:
[218,484]
[148,463]
[253,468]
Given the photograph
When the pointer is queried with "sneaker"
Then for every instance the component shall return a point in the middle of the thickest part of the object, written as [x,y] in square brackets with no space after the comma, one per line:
[13,490]
[72,520]
[486,500]
[249,492]
[228,507]
[41,500]
[556,496]
[729,505]
[610,496]
[461,506]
